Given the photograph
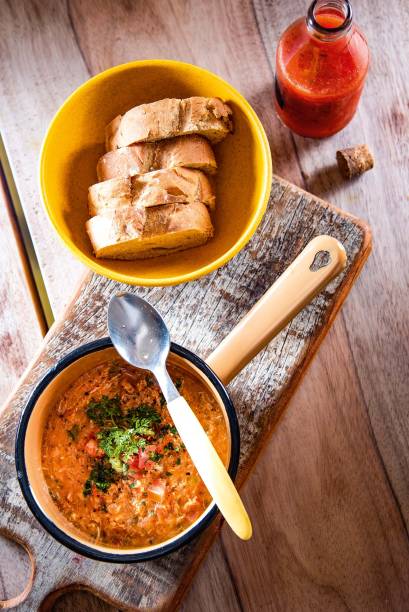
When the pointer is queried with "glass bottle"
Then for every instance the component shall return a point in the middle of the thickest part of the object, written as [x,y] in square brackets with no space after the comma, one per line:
[321,65]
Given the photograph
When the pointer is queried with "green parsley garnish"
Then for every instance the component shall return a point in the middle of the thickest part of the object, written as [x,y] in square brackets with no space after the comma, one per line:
[102,476]
[122,433]
[169,446]
[104,412]
[168,428]
[149,381]
[178,461]
[179,383]
[107,413]
[142,417]
[119,444]
[87,487]
[155,456]
[73,432]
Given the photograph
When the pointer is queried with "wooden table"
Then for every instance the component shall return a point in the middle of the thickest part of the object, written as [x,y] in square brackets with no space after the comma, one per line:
[330,494]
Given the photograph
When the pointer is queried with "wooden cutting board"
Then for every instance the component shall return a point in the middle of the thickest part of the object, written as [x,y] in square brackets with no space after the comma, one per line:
[199,314]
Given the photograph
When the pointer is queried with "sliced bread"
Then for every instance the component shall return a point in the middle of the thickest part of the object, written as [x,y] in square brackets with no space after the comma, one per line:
[142,233]
[151,189]
[209,117]
[187,151]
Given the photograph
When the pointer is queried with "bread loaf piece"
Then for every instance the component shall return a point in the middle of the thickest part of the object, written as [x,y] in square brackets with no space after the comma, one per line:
[142,233]
[186,151]
[151,189]
[170,117]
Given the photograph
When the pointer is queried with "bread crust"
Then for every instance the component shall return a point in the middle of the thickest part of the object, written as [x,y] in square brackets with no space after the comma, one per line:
[209,117]
[182,151]
[152,189]
[143,233]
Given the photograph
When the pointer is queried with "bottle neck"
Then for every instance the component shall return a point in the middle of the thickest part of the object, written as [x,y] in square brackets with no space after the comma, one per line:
[329,20]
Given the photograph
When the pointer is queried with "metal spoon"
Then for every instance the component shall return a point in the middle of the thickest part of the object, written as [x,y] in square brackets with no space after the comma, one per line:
[141,337]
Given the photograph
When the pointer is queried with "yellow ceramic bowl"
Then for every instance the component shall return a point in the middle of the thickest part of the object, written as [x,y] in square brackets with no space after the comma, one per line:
[75,141]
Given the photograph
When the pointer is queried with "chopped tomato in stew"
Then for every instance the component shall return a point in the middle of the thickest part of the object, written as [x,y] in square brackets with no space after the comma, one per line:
[114,463]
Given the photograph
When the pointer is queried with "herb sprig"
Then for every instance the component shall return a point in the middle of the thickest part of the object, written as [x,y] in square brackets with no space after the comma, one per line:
[122,434]
[102,476]
[105,412]
[120,444]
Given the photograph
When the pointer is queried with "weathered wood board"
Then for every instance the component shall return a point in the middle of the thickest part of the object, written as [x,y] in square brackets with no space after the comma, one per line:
[199,315]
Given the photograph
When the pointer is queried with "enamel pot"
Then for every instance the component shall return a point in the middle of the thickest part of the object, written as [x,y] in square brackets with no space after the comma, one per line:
[321,260]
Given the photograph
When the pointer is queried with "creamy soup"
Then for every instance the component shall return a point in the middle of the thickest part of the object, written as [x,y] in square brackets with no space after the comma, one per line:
[114,463]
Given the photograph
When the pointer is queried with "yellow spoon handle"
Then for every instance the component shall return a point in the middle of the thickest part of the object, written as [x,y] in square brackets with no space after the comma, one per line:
[210,467]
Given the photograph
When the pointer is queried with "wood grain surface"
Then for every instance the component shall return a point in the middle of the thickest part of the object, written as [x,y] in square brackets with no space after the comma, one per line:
[20,329]
[331,482]
[199,315]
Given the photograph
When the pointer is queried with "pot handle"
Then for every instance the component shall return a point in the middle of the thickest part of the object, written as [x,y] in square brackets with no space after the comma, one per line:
[322,259]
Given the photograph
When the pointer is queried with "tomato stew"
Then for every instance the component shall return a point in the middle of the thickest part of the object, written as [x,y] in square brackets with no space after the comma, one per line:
[114,463]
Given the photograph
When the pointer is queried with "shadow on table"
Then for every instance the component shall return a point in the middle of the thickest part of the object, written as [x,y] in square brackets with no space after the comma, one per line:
[325,181]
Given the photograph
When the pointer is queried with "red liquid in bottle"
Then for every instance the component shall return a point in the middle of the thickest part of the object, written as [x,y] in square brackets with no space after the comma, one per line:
[321,65]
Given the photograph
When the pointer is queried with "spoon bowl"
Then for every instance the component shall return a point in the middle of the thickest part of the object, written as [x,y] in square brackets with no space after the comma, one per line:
[138,332]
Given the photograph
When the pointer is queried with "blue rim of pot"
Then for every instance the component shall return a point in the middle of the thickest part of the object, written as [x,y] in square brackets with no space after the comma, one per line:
[60,535]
